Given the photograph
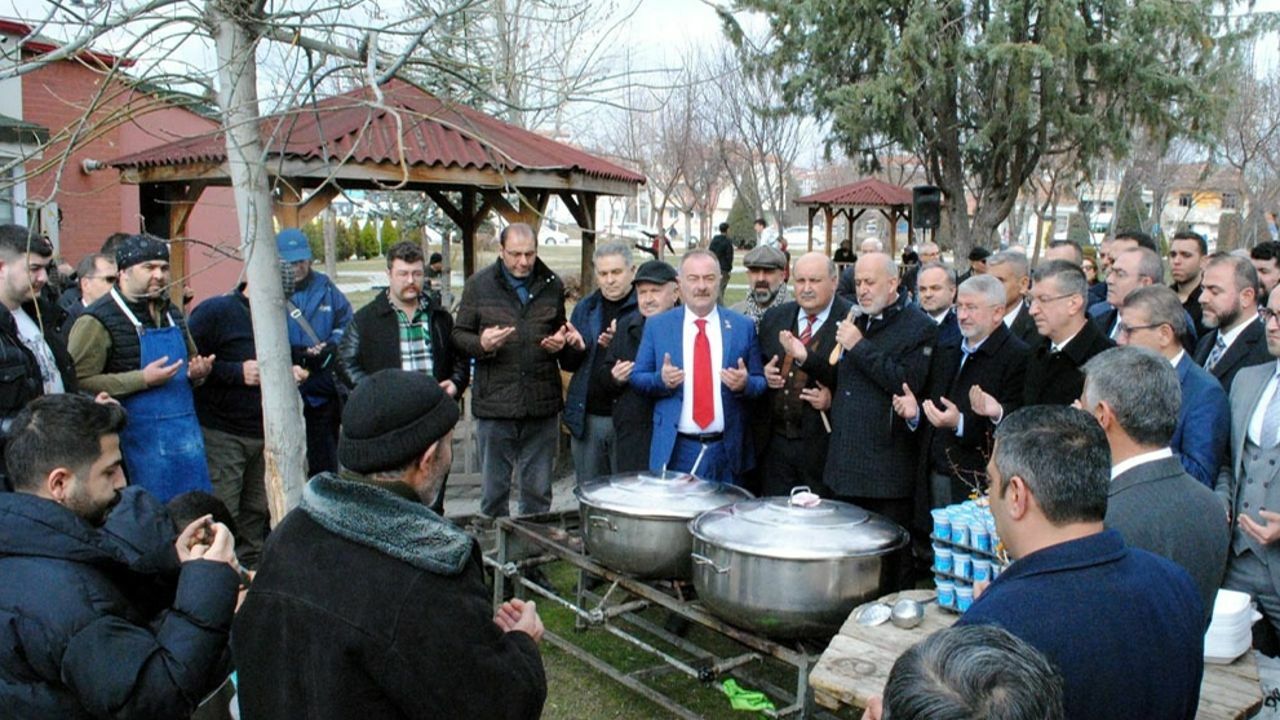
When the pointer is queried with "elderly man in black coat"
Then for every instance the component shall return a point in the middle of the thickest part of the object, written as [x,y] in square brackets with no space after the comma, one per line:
[957,440]
[368,604]
[796,340]
[872,454]
[656,292]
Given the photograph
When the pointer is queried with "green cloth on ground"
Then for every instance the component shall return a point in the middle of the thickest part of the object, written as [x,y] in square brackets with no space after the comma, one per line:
[741,698]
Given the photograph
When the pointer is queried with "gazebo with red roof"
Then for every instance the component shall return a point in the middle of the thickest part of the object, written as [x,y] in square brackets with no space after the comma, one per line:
[853,200]
[401,138]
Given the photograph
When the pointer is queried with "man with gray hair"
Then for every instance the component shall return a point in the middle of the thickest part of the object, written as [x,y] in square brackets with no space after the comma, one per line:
[1012,270]
[988,357]
[971,671]
[588,408]
[1075,587]
[936,295]
[1067,341]
[1130,270]
[1154,318]
[1133,394]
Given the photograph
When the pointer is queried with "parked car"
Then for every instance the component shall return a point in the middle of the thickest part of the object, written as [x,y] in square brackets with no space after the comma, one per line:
[549,234]
[798,237]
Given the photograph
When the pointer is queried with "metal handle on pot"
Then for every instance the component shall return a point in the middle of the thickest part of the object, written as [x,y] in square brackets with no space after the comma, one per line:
[704,560]
[601,521]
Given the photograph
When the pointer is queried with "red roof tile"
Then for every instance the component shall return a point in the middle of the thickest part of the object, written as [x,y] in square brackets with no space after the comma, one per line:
[868,191]
[354,127]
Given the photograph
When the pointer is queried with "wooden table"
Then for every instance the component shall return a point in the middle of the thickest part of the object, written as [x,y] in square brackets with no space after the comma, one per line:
[855,666]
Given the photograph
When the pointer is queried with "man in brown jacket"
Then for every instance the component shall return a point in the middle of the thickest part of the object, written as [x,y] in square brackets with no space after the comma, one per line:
[511,320]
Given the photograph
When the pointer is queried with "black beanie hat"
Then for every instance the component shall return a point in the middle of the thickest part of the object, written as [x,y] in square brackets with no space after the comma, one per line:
[139,249]
[391,418]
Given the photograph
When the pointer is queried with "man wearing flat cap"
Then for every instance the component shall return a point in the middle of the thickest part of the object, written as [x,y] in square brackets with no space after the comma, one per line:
[766,267]
[133,344]
[394,620]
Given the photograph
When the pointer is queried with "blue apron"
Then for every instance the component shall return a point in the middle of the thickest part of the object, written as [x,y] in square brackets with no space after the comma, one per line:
[162,444]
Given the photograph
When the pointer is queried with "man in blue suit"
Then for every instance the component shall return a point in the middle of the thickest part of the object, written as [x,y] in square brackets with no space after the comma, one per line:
[701,362]
[1153,317]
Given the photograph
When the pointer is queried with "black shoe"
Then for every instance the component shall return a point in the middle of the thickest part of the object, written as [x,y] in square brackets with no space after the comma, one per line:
[536,576]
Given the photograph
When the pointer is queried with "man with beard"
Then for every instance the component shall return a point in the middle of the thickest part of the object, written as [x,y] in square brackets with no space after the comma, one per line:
[133,344]
[102,612]
[588,405]
[1229,295]
[369,605]
[766,265]
[701,363]
[871,461]
[796,340]
[404,327]
[936,293]
[632,412]
[987,357]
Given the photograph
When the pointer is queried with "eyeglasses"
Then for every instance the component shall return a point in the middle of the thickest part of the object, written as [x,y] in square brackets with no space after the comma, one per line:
[1267,315]
[1126,330]
[1040,300]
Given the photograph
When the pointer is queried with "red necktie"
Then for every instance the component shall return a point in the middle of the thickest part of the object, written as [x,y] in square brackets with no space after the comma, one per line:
[807,334]
[704,405]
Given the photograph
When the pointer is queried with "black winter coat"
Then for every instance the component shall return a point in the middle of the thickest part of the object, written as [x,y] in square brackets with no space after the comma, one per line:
[101,622]
[873,452]
[520,379]
[632,412]
[999,367]
[367,605]
[372,343]
[1056,378]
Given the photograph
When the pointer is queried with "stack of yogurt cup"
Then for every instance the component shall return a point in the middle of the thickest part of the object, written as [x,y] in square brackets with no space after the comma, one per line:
[964,552]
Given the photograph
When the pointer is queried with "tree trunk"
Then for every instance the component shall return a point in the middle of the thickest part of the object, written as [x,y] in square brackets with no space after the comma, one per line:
[285,451]
[330,244]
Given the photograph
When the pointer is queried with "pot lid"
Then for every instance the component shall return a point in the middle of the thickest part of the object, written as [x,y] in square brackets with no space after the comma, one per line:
[800,527]
[658,494]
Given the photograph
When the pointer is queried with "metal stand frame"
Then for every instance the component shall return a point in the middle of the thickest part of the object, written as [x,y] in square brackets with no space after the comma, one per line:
[594,610]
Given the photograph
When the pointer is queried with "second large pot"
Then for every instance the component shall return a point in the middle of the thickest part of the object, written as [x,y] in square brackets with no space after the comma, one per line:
[638,523]
[791,569]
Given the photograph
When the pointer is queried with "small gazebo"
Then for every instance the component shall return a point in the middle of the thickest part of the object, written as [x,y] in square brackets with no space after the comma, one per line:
[855,199]
[400,138]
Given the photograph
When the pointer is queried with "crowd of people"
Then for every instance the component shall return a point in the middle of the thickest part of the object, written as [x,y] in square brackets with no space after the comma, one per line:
[1123,425]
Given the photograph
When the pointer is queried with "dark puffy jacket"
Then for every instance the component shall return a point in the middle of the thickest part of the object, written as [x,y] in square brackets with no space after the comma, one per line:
[519,380]
[91,622]
[372,343]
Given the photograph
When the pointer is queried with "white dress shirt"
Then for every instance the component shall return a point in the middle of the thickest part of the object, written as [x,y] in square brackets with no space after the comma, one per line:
[802,318]
[1142,459]
[687,425]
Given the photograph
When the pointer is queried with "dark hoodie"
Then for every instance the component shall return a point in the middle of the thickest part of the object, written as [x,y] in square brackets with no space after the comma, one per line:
[102,622]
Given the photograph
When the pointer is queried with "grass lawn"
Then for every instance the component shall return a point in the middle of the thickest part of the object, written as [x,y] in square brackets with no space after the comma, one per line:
[577,691]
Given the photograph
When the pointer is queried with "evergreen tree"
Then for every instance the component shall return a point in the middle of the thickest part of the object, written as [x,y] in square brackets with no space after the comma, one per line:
[314,232]
[369,240]
[742,219]
[390,234]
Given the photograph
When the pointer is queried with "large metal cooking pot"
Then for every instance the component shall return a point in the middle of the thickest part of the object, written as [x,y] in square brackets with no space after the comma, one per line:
[791,567]
[638,523]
